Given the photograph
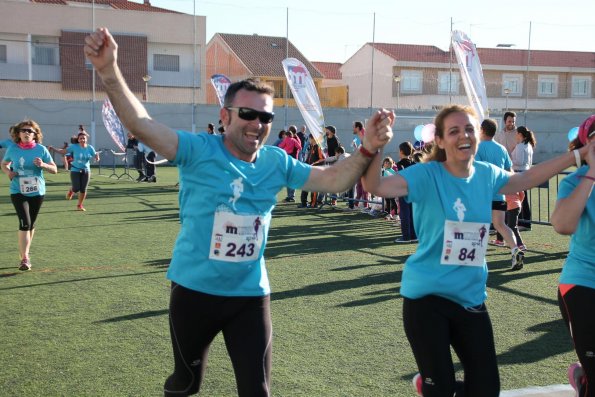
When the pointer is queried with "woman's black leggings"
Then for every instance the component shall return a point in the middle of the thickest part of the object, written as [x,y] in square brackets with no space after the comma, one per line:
[196,318]
[80,180]
[434,324]
[578,311]
[27,208]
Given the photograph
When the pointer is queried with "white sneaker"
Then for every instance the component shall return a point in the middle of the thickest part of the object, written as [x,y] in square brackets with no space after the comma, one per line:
[518,257]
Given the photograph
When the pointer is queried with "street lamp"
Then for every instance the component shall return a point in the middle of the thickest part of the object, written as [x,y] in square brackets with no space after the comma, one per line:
[146,79]
[397,79]
[506,92]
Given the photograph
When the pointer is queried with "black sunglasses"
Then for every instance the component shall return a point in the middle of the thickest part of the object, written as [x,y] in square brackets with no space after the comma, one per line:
[251,114]
[27,130]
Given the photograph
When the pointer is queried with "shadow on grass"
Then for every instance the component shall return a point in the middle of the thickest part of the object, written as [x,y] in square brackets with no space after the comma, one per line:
[160,263]
[77,280]
[136,316]
[553,340]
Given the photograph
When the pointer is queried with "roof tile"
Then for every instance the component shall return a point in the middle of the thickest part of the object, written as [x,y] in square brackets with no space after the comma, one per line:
[490,56]
[329,70]
[262,55]
[116,4]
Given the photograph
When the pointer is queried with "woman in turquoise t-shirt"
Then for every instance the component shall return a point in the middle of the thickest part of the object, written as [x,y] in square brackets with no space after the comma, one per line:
[575,215]
[444,281]
[80,168]
[24,164]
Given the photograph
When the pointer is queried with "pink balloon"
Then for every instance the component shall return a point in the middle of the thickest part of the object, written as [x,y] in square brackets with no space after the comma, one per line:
[427,133]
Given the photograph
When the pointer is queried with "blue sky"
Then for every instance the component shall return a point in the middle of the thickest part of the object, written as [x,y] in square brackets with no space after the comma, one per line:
[333,30]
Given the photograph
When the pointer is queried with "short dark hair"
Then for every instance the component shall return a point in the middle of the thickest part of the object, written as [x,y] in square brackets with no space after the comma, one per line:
[254,85]
[331,128]
[507,115]
[489,127]
[406,147]
[292,128]
[358,124]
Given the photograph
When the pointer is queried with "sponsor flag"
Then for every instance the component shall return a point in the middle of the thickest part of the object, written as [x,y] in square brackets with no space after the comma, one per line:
[305,95]
[471,73]
[113,125]
[221,83]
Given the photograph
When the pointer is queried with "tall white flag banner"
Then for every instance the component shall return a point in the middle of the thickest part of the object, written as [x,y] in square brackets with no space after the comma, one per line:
[221,83]
[305,95]
[113,125]
[471,73]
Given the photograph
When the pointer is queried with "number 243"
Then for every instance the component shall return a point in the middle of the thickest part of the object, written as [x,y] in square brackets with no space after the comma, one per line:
[243,250]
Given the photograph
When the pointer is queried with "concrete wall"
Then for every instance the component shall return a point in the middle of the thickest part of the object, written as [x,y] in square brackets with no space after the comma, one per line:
[60,119]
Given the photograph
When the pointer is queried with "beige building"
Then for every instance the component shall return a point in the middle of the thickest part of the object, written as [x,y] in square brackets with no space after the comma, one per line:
[418,77]
[41,49]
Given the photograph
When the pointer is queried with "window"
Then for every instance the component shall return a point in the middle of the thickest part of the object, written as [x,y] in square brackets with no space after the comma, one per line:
[2,53]
[547,85]
[43,55]
[411,81]
[166,63]
[513,83]
[581,86]
[445,84]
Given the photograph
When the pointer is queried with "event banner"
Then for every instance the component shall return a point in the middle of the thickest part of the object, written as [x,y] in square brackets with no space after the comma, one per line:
[305,95]
[113,125]
[221,83]
[471,73]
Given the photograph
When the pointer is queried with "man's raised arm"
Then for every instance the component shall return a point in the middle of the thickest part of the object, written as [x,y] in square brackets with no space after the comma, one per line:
[102,51]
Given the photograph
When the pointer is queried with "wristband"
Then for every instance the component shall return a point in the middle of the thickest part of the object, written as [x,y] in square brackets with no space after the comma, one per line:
[587,177]
[366,152]
[577,158]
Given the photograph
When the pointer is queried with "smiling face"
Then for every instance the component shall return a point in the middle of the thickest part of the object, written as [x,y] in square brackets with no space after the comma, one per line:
[82,139]
[510,123]
[243,138]
[459,140]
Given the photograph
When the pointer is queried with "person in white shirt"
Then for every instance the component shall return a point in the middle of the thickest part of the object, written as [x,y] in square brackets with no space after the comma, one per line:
[522,159]
[507,137]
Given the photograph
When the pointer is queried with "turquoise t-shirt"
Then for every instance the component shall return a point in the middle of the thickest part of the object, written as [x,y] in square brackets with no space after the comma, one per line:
[81,157]
[579,267]
[494,153]
[433,192]
[22,164]
[225,213]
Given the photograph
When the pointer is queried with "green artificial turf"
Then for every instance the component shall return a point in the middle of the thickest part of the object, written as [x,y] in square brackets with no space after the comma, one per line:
[90,319]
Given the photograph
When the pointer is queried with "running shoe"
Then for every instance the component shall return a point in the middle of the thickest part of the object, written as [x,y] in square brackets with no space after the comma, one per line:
[575,377]
[498,243]
[69,195]
[518,257]
[25,265]
[417,384]
[79,207]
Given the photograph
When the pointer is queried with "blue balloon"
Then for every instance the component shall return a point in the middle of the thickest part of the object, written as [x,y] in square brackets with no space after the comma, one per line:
[572,134]
[417,132]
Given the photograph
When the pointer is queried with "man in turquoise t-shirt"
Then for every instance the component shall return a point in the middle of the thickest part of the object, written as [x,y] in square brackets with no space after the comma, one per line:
[492,152]
[228,188]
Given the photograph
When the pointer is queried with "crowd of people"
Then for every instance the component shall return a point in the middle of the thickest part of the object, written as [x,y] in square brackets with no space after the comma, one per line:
[446,195]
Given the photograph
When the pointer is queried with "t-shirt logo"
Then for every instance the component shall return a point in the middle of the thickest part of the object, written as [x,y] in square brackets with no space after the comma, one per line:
[460,209]
[237,188]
